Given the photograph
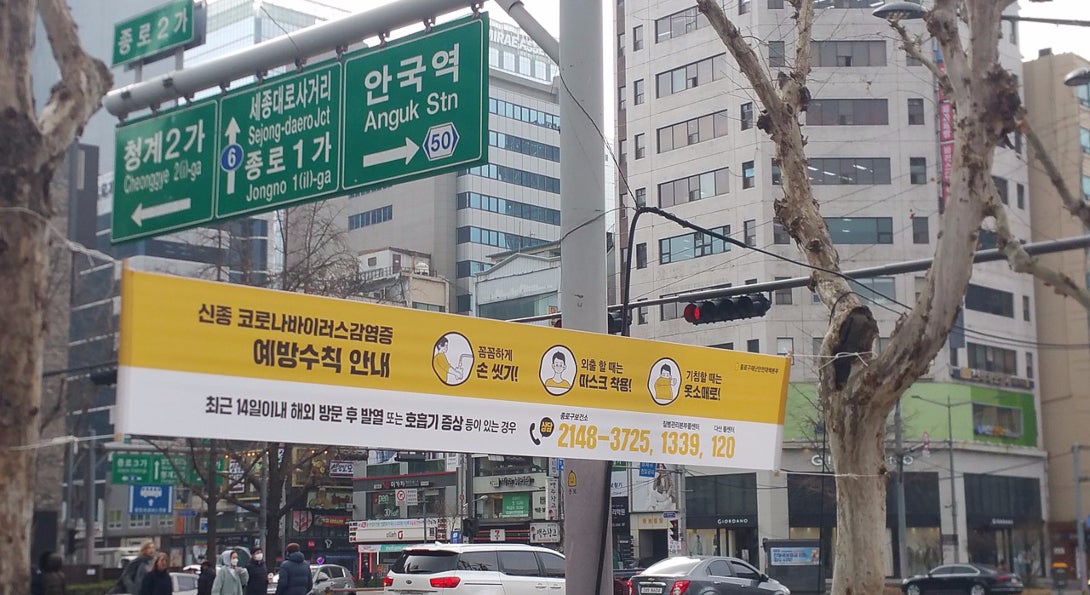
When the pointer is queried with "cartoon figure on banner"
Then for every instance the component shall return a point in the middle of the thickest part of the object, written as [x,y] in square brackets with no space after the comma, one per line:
[558,370]
[452,359]
[664,380]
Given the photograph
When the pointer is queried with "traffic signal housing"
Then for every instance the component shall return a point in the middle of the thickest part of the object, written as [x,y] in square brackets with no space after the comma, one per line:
[753,305]
[675,533]
[614,323]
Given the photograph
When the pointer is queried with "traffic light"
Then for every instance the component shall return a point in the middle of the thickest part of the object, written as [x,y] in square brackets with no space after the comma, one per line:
[613,323]
[674,532]
[469,529]
[753,305]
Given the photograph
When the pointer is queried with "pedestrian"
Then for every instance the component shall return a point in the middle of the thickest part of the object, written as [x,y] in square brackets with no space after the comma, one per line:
[259,574]
[206,579]
[295,577]
[53,582]
[157,580]
[36,577]
[230,579]
[133,575]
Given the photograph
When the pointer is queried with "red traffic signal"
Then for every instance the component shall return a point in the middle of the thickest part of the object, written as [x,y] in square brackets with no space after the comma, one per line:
[729,308]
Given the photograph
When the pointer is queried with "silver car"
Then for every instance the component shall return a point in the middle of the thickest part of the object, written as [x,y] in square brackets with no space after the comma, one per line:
[330,576]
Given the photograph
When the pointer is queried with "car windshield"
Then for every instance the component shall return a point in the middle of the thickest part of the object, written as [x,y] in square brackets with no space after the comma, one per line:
[679,566]
[425,562]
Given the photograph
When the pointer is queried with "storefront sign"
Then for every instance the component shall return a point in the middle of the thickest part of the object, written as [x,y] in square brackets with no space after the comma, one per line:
[544,533]
[516,505]
[991,378]
[619,514]
[216,360]
[520,481]
[722,520]
[794,556]
[340,469]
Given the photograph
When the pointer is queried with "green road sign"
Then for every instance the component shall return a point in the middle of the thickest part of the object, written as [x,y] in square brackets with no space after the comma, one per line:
[153,467]
[418,106]
[154,32]
[280,142]
[384,115]
[165,172]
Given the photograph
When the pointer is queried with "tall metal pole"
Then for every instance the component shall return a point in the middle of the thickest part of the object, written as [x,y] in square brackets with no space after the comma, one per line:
[902,523]
[90,503]
[1080,551]
[587,541]
[682,511]
[953,487]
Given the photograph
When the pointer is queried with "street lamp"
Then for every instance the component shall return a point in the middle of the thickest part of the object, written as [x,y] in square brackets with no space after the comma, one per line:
[896,11]
[950,450]
[1077,77]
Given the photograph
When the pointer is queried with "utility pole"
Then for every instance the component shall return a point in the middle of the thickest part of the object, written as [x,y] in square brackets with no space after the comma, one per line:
[682,511]
[587,541]
[90,503]
[953,486]
[1080,528]
[902,524]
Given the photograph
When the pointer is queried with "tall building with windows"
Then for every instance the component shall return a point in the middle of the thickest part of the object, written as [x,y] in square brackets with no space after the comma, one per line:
[879,145]
[510,204]
[1061,118]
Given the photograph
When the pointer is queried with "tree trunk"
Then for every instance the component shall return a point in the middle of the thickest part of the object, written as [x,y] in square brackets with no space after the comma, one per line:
[274,498]
[212,503]
[24,261]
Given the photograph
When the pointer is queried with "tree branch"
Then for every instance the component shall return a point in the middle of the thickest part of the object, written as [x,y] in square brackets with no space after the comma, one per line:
[84,80]
[17,33]
[912,47]
[1080,208]
[747,59]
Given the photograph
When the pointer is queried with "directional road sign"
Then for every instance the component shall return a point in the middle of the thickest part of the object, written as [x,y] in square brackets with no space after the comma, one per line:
[153,467]
[165,172]
[154,32]
[419,106]
[384,115]
[151,499]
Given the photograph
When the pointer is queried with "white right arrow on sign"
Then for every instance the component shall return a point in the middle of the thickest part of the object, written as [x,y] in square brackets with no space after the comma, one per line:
[406,152]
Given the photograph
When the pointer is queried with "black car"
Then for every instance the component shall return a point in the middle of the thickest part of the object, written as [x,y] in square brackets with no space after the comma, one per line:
[697,575]
[970,579]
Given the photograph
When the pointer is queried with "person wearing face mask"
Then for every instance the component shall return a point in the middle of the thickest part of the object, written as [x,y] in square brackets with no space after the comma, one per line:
[230,579]
[259,574]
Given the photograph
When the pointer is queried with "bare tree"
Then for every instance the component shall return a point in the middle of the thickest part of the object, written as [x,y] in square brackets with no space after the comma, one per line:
[859,389]
[34,146]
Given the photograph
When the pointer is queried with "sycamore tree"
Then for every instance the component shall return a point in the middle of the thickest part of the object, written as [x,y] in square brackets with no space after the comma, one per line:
[860,389]
[32,146]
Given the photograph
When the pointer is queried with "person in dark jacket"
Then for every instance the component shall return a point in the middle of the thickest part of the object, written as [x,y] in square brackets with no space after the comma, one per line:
[295,577]
[53,582]
[206,579]
[259,574]
[133,575]
[36,577]
[157,581]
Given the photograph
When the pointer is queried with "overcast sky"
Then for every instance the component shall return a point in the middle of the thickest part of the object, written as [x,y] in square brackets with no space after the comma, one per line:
[1061,39]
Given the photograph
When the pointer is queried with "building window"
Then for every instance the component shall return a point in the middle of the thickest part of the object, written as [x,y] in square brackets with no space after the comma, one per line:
[620,43]
[987,240]
[990,301]
[641,315]
[743,6]
[1025,308]
[994,420]
[679,23]
[917,170]
[621,98]
[499,239]
[777,176]
[1082,92]
[860,230]
[1084,139]
[505,206]
[692,245]
[113,519]
[641,146]
[749,229]
[139,521]
[691,75]
[525,146]
[753,345]
[920,232]
[692,131]
[783,297]
[747,115]
[1029,364]
[919,283]
[464,302]
[849,53]
[622,151]
[515,176]
[1020,193]
[749,176]
[815,345]
[641,197]
[641,256]
[848,171]
[1086,186]
[692,188]
[637,38]
[429,307]
[847,112]
[723,346]
[779,234]
[911,60]
[468,268]
[777,55]
[670,311]
[915,111]
[785,345]
[992,359]
[637,92]
[1001,188]
[775,4]
[523,113]
[372,217]
[878,290]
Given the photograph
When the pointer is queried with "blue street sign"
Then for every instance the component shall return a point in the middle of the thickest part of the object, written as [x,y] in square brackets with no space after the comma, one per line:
[647,469]
[669,514]
[455,536]
[151,499]
[187,512]
[559,465]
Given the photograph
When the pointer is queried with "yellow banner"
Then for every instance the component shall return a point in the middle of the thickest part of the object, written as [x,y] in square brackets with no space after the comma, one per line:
[175,323]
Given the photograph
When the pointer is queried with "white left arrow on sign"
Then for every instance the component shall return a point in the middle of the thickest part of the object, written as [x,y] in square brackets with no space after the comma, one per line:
[175,206]
[405,152]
